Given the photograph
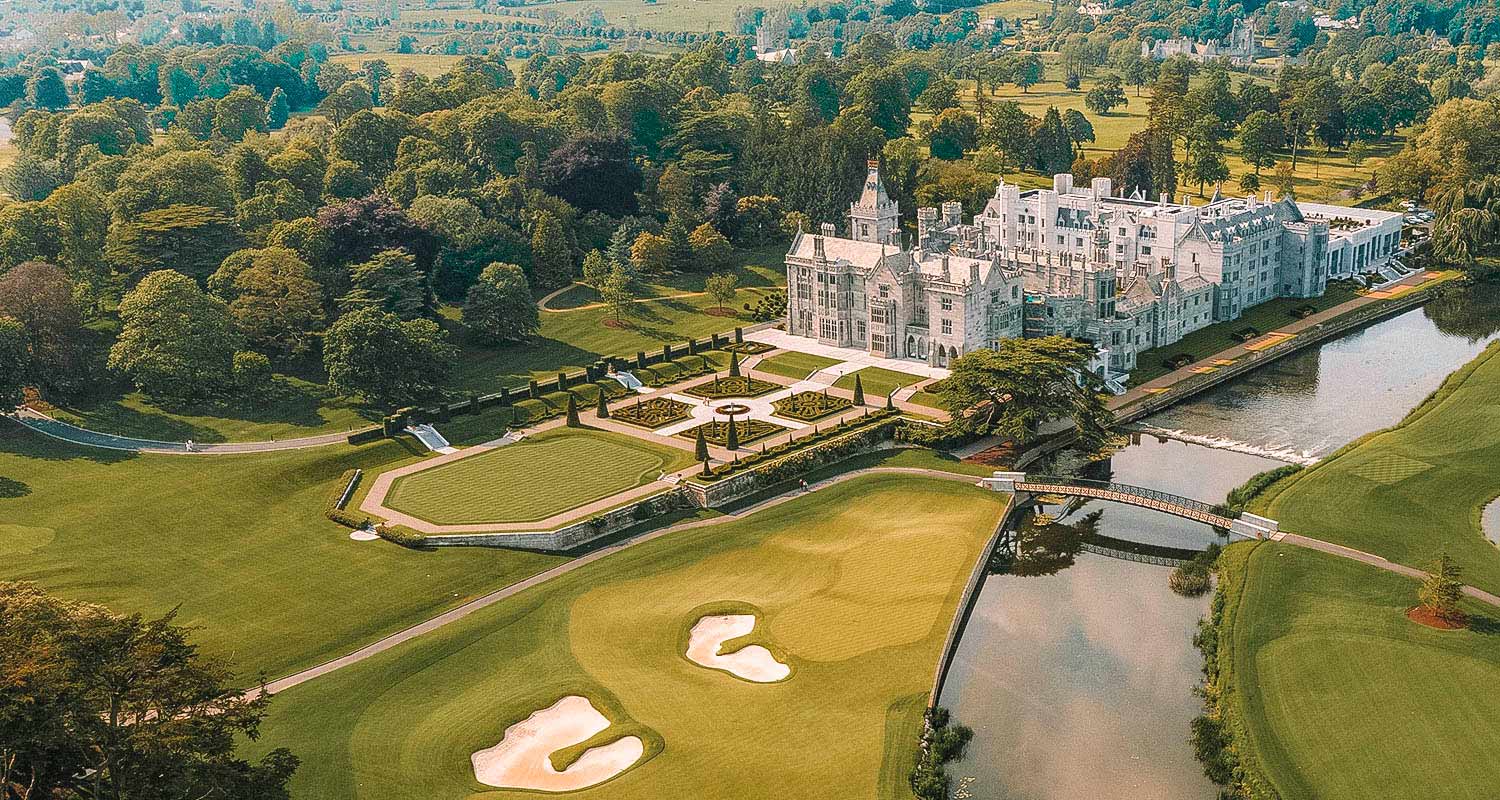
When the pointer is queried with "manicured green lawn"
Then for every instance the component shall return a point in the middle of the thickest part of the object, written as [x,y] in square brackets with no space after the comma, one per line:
[546,474]
[878,382]
[1414,491]
[1215,338]
[857,600]
[792,364]
[238,543]
[1345,698]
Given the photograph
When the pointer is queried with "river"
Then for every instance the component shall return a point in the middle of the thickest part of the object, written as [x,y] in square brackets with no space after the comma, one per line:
[1078,683]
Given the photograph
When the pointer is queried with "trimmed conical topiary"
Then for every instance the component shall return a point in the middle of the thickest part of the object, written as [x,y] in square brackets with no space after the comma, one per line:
[603,409]
[700,450]
[859,391]
[734,364]
[573,421]
[706,471]
[732,440]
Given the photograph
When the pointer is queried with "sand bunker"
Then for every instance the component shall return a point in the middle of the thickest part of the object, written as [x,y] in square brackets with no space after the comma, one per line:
[753,662]
[520,760]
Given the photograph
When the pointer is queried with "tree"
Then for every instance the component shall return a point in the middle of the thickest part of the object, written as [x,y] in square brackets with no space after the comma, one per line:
[1009,129]
[732,435]
[345,101]
[391,282]
[617,295]
[859,391]
[277,110]
[15,364]
[594,171]
[499,307]
[1025,70]
[700,449]
[175,341]
[1441,590]
[390,362]
[1261,135]
[30,178]
[953,132]
[1106,95]
[190,239]
[649,253]
[104,705]
[1015,388]
[722,286]
[238,113]
[710,249]
[551,258]
[46,89]
[39,297]
[596,270]
[882,95]
[1079,129]
[358,229]
[1054,148]
[1205,155]
[734,364]
[679,236]
[940,95]
[273,298]
[601,407]
[573,421]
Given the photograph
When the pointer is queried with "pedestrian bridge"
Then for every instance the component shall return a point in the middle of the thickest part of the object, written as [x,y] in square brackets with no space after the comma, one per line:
[1246,525]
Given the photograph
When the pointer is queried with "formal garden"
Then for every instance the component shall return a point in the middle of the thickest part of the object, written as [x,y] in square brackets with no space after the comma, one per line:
[656,412]
[810,406]
[543,475]
[723,386]
[734,433]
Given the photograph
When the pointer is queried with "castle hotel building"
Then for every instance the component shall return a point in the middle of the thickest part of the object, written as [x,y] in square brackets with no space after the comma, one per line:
[1126,273]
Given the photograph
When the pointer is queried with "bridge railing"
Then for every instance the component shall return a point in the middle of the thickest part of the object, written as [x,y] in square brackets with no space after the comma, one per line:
[1196,509]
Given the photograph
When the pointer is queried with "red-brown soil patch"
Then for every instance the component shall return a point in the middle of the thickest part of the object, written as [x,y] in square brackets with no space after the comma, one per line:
[616,323]
[720,312]
[1422,615]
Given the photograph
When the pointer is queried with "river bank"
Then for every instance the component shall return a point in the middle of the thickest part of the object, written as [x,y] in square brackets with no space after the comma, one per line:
[1079,682]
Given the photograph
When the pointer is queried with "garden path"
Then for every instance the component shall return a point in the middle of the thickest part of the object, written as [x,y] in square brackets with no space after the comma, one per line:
[57,429]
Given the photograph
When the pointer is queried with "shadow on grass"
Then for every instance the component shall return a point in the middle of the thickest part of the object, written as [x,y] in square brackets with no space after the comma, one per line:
[1489,626]
[16,439]
[11,488]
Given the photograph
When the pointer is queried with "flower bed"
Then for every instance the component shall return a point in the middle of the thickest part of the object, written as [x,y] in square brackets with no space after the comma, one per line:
[748,348]
[748,430]
[808,406]
[654,413]
[732,386]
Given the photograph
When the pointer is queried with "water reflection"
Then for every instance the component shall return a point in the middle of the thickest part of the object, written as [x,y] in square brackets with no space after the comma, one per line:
[1319,399]
[1076,670]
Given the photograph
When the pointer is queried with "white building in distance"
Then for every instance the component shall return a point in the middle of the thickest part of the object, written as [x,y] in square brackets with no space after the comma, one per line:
[1125,273]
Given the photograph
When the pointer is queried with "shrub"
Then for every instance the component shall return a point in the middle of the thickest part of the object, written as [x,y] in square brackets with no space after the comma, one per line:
[808,406]
[366,435]
[748,348]
[1240,496]
[653,413]
[400,534]
[334,508]
[732,386]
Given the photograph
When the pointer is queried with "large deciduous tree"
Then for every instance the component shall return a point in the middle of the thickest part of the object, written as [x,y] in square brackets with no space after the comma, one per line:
[391,282]
[388,361]
[40,297]
[1019,386]
[593,171]
[175,341]
[15,368]
[101,705]
[190,239]
[273,298]
[499,307]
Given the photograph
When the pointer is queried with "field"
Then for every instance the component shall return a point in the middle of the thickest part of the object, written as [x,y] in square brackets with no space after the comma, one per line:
[877,381]
[1347,699]
[430,65]
[546,474]
[856,601]
[1414,491]
[792,364]
[301,405]
[237,543]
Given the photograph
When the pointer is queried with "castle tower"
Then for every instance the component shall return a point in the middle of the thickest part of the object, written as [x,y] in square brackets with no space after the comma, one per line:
[874,217]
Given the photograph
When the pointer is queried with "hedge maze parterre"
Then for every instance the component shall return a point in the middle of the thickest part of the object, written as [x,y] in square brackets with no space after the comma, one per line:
[655,413]
[731,386]
[808,406]
[746,431]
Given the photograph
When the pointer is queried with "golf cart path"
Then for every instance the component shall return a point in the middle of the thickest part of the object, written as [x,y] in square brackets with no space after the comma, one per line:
[484,601]
[57,429]
[1375,561]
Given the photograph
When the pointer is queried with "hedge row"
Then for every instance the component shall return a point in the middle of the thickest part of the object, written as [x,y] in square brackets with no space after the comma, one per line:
[334,509]
[678,369]
[400,534]
[373,433]
[800,461]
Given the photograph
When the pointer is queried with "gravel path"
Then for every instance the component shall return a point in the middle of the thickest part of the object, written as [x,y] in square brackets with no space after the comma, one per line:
[47,426]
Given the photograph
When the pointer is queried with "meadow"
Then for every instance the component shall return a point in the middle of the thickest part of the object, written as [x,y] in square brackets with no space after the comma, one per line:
[857,602]
[1343,697]
[237,545]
